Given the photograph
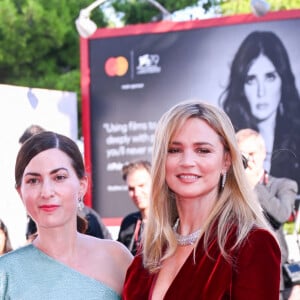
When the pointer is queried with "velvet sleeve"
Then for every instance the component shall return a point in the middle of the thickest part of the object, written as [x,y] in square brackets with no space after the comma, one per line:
[137,282]
[257,274]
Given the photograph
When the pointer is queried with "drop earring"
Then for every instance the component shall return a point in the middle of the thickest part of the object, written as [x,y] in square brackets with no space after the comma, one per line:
[80,204]
[223,180]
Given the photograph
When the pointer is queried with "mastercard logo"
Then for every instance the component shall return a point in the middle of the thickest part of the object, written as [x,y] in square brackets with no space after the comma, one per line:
[116,66]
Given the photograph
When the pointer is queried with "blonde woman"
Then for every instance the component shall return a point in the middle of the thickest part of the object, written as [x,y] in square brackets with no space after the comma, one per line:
[206,236]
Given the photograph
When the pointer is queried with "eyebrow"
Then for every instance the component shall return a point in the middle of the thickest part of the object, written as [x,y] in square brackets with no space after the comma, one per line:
[267,72]
[52,172]
[196,144]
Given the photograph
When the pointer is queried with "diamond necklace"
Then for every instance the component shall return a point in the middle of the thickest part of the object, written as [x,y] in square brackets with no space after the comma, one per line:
[185,240]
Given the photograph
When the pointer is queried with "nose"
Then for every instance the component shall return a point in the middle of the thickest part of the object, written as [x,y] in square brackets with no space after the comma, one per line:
[47,190]
[135,191]
[188,158]
[261,90]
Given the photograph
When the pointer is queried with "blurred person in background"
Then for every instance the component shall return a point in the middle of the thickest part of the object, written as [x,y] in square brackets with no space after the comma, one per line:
[276,195]
[5,245]
[136,174]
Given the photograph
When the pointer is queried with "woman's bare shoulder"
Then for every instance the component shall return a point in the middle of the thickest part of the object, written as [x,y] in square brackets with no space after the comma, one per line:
[105,247]
[107,260]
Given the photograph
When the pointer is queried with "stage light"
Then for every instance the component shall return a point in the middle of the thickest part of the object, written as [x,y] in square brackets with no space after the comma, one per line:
[86,27]
[166,15]
[259,7]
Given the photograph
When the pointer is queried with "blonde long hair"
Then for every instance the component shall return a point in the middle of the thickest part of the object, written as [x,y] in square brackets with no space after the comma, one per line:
[236,204]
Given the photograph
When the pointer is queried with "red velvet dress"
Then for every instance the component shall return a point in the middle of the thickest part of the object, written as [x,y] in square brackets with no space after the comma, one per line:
[255,274]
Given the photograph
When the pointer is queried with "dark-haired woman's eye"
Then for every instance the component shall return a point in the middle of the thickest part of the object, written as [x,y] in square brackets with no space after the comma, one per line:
[271,76]
[250,79]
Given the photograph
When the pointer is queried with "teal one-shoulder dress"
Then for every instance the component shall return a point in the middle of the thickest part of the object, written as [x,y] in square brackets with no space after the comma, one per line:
[29,274]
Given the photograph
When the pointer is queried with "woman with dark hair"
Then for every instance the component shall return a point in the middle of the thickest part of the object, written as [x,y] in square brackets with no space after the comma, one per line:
[61,262]
[262,95]
[5,245]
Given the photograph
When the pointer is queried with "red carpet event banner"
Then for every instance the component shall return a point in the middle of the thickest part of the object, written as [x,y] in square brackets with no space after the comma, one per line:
[247,65]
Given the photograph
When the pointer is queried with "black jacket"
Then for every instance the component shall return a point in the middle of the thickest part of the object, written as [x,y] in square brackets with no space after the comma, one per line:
[130,231]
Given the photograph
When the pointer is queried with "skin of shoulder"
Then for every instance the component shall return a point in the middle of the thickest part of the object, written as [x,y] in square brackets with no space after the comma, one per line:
[110,260]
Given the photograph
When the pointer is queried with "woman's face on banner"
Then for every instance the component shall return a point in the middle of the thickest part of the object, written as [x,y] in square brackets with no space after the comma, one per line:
[263,88]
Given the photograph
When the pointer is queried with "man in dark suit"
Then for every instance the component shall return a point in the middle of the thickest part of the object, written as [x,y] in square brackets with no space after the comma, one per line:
[137,177]
[276,195]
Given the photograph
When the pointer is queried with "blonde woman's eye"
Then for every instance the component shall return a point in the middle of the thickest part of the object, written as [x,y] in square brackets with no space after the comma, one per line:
[173,150]
[203,150]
